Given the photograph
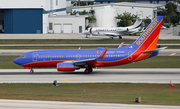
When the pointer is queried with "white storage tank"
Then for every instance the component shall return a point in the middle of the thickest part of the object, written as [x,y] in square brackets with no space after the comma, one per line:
[105,16]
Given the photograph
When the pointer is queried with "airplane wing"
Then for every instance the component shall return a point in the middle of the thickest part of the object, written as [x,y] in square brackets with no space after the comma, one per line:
[93,59]
[86,32]
[112,34]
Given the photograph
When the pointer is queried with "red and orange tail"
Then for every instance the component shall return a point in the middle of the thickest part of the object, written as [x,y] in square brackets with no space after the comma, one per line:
[149,38]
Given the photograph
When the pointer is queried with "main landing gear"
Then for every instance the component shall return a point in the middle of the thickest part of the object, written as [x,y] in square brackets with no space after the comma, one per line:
[111,37]
[88,70]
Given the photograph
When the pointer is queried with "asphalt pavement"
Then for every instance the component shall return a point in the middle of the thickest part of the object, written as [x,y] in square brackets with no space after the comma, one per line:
[99,75]
[35,104]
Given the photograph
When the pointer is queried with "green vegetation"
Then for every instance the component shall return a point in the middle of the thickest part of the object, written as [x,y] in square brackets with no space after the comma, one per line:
[91,17]
[154,94]
[126,19]
[78,41]
[56,47]
[6,62]
[155,62]
[170,14]
[65,47]
[64,41]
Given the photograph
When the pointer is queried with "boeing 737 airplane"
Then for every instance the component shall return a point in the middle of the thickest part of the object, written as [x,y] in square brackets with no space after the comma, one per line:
[114,31]
[73,59]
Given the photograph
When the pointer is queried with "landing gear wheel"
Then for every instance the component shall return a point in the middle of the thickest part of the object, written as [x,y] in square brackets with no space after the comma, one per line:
[111,37]
[31,71]
[120,37]
[88,70]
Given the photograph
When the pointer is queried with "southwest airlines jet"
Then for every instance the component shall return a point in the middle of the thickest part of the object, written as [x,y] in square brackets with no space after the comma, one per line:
[73,59]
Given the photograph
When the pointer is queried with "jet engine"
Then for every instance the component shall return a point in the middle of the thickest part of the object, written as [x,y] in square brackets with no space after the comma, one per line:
[90,32]
[65,66]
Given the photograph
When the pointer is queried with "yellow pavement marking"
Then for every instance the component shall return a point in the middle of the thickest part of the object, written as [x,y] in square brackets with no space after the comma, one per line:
[145,106]
[74,81]
[172,54]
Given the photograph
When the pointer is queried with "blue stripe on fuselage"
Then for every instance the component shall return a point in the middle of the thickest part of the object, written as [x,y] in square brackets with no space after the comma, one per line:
[75,54]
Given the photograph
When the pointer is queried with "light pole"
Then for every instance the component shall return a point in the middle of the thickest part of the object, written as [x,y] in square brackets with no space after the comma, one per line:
[79,2]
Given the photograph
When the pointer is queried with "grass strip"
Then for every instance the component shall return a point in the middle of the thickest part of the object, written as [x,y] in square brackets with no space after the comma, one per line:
[6,62]
[153,94]
[67,47]
[63,41]
[77,41]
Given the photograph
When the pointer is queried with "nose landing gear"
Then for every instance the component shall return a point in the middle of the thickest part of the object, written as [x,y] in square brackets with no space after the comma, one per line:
[31,71]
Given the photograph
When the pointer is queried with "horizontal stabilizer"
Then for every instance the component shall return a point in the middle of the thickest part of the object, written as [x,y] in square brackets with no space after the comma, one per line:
[152,51]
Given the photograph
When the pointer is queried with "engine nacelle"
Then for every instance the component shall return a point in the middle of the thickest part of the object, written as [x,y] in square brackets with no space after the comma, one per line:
[65,66]
[90,30]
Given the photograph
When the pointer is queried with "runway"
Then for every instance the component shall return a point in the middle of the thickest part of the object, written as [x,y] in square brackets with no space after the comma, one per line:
[97,76]
[31,104]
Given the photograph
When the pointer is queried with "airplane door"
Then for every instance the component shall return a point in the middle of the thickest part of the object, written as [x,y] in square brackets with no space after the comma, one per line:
[80,29]
[78,56]
[34,56]
[130,56]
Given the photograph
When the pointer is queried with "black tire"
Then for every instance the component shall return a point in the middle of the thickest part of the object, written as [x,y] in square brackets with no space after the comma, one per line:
[90,69]
[31,71]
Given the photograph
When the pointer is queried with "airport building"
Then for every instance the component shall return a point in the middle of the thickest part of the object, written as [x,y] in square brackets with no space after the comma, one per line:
[67,24]
[50,16]
[113,1]
[29,16]
[104,12]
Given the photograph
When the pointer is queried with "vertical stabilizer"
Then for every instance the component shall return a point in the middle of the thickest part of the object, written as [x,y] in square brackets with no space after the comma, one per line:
[149,38]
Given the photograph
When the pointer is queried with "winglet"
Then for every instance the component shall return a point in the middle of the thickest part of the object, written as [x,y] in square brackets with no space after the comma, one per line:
[102,54]
[121,45]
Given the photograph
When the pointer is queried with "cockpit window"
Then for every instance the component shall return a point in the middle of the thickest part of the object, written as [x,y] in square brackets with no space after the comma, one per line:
[23,56]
